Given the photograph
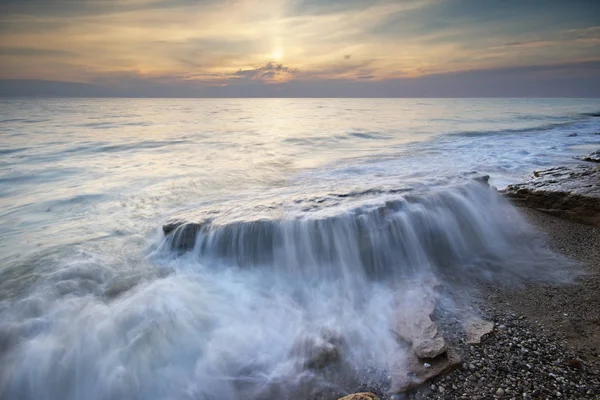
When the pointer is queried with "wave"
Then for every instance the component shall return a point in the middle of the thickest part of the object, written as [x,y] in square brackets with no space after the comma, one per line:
[259,308]
[14,150]
[112,125]
[540,129]
[338,138]
[592,114]
[103,147]
[461,233]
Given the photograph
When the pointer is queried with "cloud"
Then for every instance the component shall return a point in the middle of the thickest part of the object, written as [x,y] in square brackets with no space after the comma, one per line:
[320,7]
[33,52]
[78,8]
[233,42]
[268,72]
[556,80]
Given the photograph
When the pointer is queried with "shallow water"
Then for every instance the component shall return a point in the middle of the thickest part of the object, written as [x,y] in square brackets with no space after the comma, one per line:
[313,213]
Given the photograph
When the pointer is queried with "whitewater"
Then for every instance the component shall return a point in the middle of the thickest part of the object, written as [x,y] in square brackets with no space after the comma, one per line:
[256,248]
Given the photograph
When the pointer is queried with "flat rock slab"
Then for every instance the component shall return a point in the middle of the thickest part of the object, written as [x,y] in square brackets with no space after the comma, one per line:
[360,396]
[570,192]
[408,371]
[478,330]
[416,303]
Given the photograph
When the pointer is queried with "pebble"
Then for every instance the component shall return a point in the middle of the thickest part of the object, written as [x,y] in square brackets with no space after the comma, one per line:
[517,362]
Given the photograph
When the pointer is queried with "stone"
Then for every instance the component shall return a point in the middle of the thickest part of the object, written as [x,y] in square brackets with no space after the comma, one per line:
[408,372]
[482,179]
[478,330]
[118,287]
[183,233]
[569,192]
[360,396]
[500,392]
[415,304]
[594,156]
[575,363]
[316,352]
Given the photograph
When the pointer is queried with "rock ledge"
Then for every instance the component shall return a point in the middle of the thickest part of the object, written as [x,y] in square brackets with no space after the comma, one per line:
[570,192]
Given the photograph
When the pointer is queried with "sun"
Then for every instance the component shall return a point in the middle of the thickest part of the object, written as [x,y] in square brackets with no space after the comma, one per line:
[277,55]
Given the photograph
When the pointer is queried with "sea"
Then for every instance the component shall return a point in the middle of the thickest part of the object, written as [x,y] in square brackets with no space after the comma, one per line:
[302,228]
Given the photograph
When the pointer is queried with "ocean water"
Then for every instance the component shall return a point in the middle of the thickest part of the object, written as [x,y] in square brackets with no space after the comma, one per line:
[311,217]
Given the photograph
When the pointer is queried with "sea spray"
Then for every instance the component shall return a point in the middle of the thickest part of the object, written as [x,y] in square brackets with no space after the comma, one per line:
[264,309]
[460,233]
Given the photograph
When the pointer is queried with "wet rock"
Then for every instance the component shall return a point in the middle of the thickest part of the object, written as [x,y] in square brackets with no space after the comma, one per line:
[575,363]
[360,396]
[477,330]
[502,370]
[570,192]
[120,286]
[183,233]
[416,304]
[594,156]
[172,224]
[318,351]
[409,372]
[572,135]
[482,179]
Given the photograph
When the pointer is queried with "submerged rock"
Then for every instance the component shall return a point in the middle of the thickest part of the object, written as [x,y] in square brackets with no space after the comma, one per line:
[594,156]
[482,179]
[570,192]
[316,352]
[120,286]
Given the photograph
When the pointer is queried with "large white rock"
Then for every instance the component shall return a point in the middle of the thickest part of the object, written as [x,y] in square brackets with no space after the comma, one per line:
[416,303]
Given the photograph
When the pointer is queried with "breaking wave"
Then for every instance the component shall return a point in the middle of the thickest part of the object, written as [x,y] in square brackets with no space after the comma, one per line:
[302,307]
[461,233]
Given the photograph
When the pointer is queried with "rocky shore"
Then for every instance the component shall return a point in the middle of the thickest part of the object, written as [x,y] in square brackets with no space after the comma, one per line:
[545,342]
[570,192]
[541,341]
[522,360]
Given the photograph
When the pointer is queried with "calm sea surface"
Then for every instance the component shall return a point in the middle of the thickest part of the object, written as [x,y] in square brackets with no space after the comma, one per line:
[94,304]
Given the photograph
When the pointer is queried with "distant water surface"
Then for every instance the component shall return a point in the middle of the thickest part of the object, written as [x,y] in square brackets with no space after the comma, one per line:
[85,185]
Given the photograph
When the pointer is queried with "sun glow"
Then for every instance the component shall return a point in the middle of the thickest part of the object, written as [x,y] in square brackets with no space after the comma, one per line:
[277,55]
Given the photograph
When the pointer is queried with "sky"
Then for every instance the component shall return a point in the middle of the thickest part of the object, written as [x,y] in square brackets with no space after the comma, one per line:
[301,48]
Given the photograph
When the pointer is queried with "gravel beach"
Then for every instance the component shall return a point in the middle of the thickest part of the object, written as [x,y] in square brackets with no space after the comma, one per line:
[546,344]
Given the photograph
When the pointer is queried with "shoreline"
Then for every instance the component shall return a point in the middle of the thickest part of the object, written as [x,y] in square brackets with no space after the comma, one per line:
[571,310]
[546,341]
[546,337]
